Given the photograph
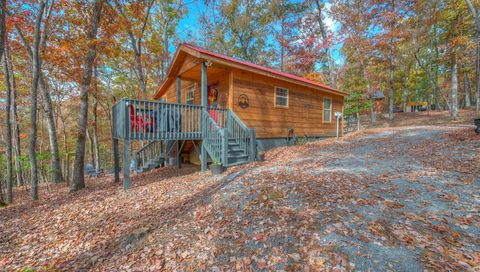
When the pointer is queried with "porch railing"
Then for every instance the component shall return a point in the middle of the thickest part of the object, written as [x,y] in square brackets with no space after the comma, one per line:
[224,134]
[155,120]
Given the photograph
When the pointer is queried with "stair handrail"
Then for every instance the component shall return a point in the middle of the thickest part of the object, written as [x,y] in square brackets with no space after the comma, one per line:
[237,119]
[214,138]
[148,152]
[242,135]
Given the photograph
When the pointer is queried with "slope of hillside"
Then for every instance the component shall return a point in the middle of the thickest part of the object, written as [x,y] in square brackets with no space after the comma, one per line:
[402,199]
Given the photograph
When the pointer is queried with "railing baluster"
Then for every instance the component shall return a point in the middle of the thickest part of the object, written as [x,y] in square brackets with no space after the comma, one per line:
[150,122]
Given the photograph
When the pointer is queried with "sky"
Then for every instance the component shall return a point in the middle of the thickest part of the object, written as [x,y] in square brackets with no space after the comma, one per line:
[190,24]
[190,21]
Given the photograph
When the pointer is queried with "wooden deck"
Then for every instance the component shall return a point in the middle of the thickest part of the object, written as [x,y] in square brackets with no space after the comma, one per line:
[224,137]
[155,120]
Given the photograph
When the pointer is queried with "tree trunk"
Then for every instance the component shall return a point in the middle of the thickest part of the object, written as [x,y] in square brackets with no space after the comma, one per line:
[454,103]
[282,44]
[94,125]
[391,92]
[78,181]
[466,89]
[36,65]
[323,31]
[405,94]
[14,113]
[95,136]
[52,131]
[91,148]
[477,74]
[476,17]
[373,113]
[358,121]
[391,82]
[67,157]
[8,131]
[391,85]
[1,174]
[2,26]
[16,142]
[139,68]
[2,48]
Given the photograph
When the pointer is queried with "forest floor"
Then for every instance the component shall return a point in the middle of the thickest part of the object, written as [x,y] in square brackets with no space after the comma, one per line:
[384,199]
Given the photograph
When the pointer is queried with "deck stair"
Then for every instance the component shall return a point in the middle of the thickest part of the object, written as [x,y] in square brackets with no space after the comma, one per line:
[149,157]
[231,145]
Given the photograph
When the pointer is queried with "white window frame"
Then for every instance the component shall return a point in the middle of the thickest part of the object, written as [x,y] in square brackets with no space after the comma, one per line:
[329,110]
[287,97]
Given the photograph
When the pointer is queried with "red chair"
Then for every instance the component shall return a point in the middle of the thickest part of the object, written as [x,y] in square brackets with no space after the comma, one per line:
[134,120]
[141,121]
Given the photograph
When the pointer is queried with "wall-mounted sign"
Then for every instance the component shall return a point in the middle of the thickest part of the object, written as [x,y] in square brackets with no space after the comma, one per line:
[243,101]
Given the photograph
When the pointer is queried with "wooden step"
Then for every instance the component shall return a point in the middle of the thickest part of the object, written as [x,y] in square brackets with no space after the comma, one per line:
[237,159]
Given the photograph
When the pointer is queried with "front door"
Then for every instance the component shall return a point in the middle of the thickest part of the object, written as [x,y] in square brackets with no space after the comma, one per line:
[213,101]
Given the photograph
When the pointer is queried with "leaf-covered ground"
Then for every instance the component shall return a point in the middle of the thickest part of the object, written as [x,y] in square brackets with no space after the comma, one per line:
[398,199]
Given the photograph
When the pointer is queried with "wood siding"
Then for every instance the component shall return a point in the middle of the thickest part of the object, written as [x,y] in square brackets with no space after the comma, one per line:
[304,112]
[222,80]
[305,105]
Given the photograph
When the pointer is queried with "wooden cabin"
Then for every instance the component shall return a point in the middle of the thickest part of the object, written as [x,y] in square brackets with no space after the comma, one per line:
[224,109]
[265,99]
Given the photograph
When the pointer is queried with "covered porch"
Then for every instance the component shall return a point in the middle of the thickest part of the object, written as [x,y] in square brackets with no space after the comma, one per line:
[185,83]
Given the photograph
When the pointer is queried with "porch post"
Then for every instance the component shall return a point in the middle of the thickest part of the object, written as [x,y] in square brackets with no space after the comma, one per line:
[179,89]
[203,83]
[179,100]
[126,164]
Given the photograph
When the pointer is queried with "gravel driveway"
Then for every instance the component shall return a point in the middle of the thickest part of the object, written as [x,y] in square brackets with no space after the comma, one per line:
[403,199]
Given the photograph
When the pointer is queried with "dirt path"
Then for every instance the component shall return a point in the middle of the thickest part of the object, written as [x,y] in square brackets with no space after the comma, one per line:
[402,199]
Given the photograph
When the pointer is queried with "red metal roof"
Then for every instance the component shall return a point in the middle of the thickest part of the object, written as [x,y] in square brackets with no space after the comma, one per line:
[261,68]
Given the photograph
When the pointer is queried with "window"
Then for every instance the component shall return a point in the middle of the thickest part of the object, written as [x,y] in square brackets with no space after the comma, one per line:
[327,110]
[190,96]
[281,97]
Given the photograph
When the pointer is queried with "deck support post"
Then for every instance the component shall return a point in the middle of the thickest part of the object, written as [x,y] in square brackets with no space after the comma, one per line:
[126,164]
[116,161]
[177,155]
[179,100]
[203,83]
[163,153]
